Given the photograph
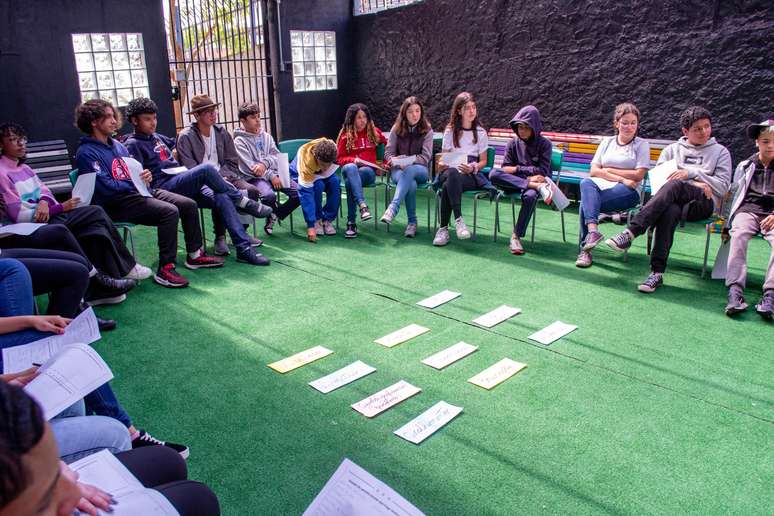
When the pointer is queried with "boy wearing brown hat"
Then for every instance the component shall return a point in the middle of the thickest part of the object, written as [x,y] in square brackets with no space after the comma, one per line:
[206,142]
[752,212]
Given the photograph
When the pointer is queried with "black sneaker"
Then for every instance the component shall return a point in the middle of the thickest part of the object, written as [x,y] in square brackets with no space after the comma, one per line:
[98,295]
[621,242]
[248,255]
[765,306]
[651,283]
[111,283]
[257,209]
[268,228]
[736,302]
[146,439]
[351,231]
[365,213]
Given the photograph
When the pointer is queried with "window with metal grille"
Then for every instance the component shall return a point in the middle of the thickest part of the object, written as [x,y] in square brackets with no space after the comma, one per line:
[373,6]
[314,60]
[111,67]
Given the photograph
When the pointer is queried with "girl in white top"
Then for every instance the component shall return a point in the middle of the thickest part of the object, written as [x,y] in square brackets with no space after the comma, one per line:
[464,135]
[617,169]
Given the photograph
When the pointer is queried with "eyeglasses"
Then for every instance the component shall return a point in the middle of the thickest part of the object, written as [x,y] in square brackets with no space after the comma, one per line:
[17,140]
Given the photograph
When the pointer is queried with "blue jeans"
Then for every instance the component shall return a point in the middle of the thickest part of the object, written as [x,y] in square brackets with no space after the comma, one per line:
[207,187]
[407,180]
[78,435]
[595,200]
[354,180]
[311,199]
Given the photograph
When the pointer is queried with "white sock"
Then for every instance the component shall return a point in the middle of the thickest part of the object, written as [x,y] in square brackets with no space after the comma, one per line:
[243,202]
[93,272]
[194,255]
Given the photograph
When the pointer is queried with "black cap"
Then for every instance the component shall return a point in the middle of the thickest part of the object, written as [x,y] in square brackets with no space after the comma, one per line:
[753,130]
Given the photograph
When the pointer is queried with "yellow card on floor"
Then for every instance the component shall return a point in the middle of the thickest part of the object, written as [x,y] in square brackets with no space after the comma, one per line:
[426,424]
[497,316]
[402,335]
[439,299]
[449,355]
[300,359]
[497,374]
[386,398]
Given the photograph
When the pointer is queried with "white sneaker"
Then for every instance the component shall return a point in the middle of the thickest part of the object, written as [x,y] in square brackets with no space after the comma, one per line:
[139,272]
[318,228]
[515,245]
[441,237]
[462,229]
[411,230]
[328,228]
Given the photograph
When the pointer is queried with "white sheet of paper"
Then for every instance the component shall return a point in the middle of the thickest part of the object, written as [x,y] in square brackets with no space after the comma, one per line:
[343,376]
[84,188]
[454,159]
[75,371]
[496,316]
[174,170]
[403,161]
[104,471]
[557,196]
[449,355]
[439,299]
[83,328]
[402,335]
[135,169]
[366,163]
[428,422]
[379,402]
[552,332]
[494,375]
[352,491]
[658,175]
[603,183]
[283,169]
[720,269]
[22,228]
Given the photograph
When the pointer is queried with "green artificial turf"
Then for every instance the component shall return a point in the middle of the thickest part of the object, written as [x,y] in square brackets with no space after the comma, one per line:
[656,404]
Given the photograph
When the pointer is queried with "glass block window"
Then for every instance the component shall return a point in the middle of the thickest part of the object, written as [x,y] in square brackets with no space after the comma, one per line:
[111,67]
[373,6]
[314,60]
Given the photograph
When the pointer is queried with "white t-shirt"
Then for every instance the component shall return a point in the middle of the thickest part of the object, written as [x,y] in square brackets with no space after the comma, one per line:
[211,149]
[466,142]
[633,155]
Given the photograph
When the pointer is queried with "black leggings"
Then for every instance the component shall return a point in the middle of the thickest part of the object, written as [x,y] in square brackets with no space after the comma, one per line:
[62,274]
[454,183]
[164,470]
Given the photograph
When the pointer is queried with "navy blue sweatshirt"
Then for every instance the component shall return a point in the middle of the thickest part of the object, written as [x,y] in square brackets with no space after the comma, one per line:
[106,160]
[532,157]
[154,151]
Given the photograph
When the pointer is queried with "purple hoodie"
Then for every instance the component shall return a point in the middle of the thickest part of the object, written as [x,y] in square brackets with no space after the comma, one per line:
[532,157]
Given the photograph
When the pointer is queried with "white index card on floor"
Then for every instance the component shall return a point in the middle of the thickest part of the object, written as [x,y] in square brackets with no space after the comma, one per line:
[496,316]
[552,332]
[428,422]
[386,398]
[343,376]
[450,355]
[439,299]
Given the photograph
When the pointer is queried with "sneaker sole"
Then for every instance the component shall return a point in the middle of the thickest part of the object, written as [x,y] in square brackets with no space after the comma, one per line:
[582,265]
[208,266]
[242,260]
[221,253]
[517,253]
[440,244]
[646,290]
[350,236]
[766,315]
[612,245]
[589,247]
[366,218]
[185,453]
[168,284]
[735,310]
[108,300]
[463,237]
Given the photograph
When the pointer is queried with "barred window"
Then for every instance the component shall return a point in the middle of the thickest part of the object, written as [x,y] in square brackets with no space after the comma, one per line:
[373,6]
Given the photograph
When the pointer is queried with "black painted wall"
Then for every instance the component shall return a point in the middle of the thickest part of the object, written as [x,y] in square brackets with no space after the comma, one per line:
[320,113]
[574,61]
[38,81]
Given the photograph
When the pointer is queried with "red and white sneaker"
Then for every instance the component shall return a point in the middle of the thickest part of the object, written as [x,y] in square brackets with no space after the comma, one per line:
[168,277]
[203,261]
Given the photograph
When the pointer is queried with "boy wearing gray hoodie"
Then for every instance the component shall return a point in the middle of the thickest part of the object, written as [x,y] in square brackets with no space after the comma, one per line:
[258,166]
[694,192]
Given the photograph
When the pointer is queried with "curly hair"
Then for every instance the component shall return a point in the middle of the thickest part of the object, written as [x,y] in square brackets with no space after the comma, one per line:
[692,115]
[141,106]
[348,128]
[11,129]
[91,111]
[21,429]
[325,151]
[247,109]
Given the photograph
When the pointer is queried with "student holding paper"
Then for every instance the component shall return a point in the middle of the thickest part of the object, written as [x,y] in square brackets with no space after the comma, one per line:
[464,134]
[357,143]
[693,192]
[315,171]
[525,168]
[258,166]
[34,480]
[752,212]
[410,141]
[617,170]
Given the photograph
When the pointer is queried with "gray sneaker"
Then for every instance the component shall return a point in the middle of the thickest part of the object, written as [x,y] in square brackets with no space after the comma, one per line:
[765,306]
[461,229]
[441,237]
[651,283]
[736,302]
[328,228]
[591,240]
[411,230]
[318,228]
[221,247]
[621,242]
[388,216]
[584,260]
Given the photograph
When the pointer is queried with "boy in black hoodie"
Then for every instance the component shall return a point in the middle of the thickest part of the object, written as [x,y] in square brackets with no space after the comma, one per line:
[525,168]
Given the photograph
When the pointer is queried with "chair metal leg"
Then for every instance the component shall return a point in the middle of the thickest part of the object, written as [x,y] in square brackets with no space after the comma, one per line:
[497,217]
[513,212]
[564,237]
[475,215]
[204,233]
[291,222]
[706,254]
[128,234]
[376,209]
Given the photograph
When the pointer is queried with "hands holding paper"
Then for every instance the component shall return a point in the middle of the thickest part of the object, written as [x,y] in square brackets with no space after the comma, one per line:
[69,204]
[92,498]
[21,378]
[678,174]
[146,176]
[276,182]
[49,323]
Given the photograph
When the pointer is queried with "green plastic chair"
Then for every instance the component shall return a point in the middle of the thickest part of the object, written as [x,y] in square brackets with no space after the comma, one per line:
[557,156]
[380,181]
[126,226]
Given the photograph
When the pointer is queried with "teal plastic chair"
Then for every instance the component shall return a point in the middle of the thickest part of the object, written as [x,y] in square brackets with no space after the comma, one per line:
[126,226]
[380,181]
[557,156]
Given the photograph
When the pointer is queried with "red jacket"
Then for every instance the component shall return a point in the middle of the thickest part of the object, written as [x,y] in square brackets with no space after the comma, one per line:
[362,148]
